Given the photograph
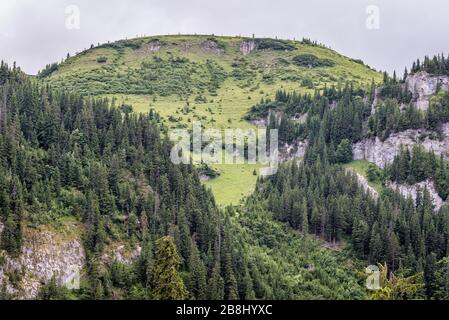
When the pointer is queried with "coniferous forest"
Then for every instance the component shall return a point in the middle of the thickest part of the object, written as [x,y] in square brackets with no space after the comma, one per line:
[307,232]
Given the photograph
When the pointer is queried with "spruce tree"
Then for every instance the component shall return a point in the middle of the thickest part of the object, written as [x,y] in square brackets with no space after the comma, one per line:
[167,283]
[216,283]
[197,284]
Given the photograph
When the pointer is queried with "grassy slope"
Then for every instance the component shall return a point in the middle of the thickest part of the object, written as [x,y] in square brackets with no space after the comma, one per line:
[360,167]
[263,72]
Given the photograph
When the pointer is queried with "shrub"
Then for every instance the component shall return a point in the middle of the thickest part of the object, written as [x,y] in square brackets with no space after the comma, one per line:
[102,59]
[274,44]
[312,61]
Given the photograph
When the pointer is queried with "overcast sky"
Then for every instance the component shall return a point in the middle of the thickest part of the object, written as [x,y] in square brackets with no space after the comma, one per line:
[35,33]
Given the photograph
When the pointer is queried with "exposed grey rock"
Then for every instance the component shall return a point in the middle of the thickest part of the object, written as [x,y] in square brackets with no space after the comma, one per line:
[375,101]
[44,256]
[247,46]
[211,46]
[291,151]
[122,254]
[383,152]
[423,85]
[363,182]
[299,118]
[259,122]
[153,46]
[412,191]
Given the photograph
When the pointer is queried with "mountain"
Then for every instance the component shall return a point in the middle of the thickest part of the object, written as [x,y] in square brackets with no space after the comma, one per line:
[88,189]
[91,200]
[211,79]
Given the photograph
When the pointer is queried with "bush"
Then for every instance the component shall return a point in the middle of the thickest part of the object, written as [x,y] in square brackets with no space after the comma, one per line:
[373,173]
[102,59]
[311,61]
[126,108]
[274,44]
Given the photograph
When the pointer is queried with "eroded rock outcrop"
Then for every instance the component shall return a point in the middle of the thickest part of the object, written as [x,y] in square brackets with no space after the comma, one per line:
[383,152]
[211,46]
[291,151]
[423,85]
[45,254]
[363,182]
[153,46]
[412,191]
[247,46]
[121,253]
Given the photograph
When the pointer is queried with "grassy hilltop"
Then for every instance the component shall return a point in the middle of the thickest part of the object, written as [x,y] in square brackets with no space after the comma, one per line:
[205,78]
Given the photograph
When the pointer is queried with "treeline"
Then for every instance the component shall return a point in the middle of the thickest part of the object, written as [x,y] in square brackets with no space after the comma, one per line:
[48,70]
[328,202]
[12,75]
[438,65]
[294,103]
[65,155]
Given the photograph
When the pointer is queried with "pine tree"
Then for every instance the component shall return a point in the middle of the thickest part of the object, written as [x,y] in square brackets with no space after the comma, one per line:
[11,237]
[441,285]
[216,284]
[304,217]
[344,152]
[231,290]
[197,278]
[429,275]
[167,283]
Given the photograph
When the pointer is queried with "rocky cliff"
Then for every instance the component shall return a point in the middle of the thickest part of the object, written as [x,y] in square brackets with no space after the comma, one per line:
[383,152]
[56,252]
[423,85]
[247,46]
[412,191]
[46,253]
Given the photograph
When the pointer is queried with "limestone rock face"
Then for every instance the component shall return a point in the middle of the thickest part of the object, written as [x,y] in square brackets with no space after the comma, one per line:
[412,190]
[423,86]
[210,46]
[121,253]
[153,46]
[383,152]
[247,46]
[45,254]
[363,182]
[291,151]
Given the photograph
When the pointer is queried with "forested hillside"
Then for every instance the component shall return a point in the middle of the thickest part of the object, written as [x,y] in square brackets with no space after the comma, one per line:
[66,157]
[409,234]
[205,78]
[84,145]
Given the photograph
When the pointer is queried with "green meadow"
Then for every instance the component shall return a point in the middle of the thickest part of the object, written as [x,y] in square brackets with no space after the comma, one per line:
[190,78]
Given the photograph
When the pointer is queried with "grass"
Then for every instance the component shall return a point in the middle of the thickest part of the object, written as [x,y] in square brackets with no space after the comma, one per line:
[65,228]
[235,182]
[361,167]
[186,82]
